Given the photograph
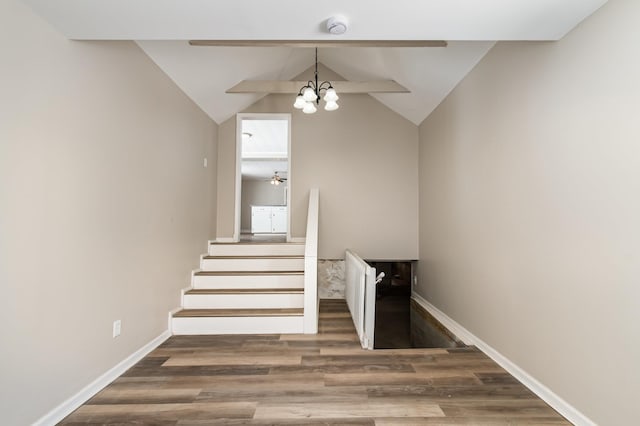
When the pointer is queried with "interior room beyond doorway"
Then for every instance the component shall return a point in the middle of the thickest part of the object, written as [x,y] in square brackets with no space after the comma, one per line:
[264,176]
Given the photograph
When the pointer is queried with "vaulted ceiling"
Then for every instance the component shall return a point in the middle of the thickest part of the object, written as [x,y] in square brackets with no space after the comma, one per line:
[162,28]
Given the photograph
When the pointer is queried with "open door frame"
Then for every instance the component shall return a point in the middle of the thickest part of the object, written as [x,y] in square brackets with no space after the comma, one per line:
[238,198]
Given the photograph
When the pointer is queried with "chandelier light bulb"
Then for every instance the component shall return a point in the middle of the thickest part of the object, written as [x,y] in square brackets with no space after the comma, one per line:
[331,106]
[309,108]
[300,102]
[331,95]
[309,94]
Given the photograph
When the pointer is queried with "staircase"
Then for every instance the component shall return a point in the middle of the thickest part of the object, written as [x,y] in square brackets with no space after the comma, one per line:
[245,288]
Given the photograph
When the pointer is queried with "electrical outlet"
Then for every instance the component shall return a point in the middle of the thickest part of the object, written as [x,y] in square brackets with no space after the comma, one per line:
[117,326]
[205,162]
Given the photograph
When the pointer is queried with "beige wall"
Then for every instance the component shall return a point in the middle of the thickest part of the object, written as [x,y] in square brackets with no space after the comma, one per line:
[259,193]
[103,208]
[362,157]
[530,210]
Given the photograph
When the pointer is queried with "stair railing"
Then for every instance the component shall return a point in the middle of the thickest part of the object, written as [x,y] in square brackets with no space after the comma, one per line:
[360,293]
[311,302]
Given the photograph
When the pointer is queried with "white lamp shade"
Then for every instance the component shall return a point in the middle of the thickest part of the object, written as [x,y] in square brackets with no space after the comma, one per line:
[331,106]
[300,102]
[309,108]
[331,95]
[309,94]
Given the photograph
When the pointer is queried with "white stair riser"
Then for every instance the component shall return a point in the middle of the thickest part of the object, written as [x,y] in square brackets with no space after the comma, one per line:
[273,264]
[247,281]
[256,249]
[248,301]
[237,325]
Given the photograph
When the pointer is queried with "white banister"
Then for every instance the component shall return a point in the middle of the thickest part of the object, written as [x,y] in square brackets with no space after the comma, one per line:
[311,265]
[360,293]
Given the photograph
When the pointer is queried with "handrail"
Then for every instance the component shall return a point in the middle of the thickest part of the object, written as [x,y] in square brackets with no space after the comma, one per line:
[311,305]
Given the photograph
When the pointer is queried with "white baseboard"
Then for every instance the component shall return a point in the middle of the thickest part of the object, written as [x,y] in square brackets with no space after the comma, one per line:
[546,394]
[459,331]
[71,404]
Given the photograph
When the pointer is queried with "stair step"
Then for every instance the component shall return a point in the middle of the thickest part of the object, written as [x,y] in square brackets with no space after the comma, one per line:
[246,291]
[245,273]
[207,313]
[243,298]
[252,263]
[267,256]
[238,321]
[253,243]
[255,248]
[248,279]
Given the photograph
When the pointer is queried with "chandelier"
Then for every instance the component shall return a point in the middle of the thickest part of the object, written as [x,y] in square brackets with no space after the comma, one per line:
[311,93]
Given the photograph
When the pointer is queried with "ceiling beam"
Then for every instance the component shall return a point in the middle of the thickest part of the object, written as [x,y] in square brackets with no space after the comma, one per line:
[279,86]
[319,43]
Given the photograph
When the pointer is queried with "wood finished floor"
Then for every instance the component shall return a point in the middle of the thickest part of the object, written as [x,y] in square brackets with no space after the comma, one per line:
[324,379]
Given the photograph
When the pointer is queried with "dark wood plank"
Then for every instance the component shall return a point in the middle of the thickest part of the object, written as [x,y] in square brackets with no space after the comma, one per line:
[239,312]
[245,273]
[452,393]
[247,291]
[150,413]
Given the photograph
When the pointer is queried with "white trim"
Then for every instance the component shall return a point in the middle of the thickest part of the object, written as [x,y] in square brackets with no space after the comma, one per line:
[311,301]
[170,320]
[193,275]
[182,292]
[547,395]
[238,179]
[297,240]
[238,193]
[67,407]
[289,174]
[225,240]
[459,331]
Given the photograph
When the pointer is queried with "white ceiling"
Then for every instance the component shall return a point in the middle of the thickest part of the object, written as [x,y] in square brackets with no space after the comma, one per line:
[204,73]
[265,138]
[266,150]
[293,19]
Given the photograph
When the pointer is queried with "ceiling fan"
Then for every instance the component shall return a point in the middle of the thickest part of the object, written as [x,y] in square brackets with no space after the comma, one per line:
[292,87]
[276,179]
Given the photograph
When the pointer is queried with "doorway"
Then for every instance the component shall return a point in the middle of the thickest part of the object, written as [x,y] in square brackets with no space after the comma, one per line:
[263,177]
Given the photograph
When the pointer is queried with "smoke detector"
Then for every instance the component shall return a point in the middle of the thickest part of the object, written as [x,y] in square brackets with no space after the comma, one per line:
[337,25]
